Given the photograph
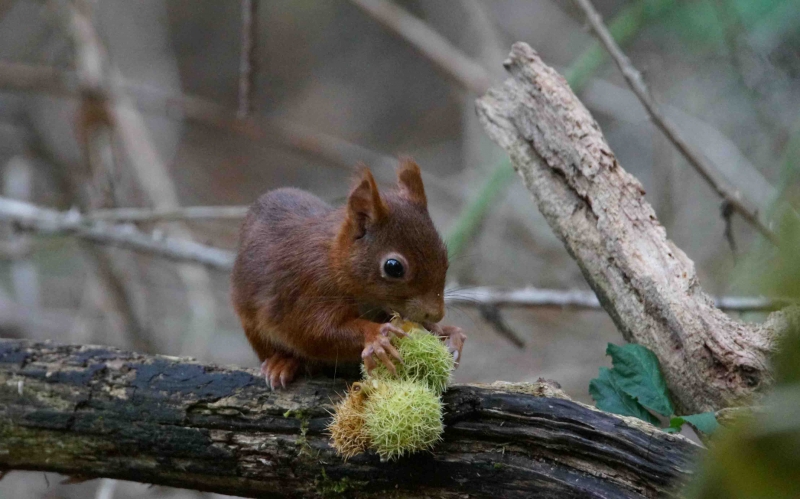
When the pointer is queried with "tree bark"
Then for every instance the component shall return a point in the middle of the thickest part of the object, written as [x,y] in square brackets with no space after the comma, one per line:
[598,210]
[93,411]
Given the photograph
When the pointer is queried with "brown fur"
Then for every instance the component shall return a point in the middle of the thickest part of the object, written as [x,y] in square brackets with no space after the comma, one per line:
[307,277]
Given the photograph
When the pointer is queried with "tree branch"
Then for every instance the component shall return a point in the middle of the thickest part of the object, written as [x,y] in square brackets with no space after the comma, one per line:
[100,412]
[247,58]
[705,168]
[50,222]
[467,73]
[530,297]
[139,215]
[95,129]
[598,210]
[332,150]
[91,227]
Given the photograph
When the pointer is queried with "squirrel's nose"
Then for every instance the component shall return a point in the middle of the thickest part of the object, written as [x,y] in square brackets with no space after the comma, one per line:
[434,318]
[436,314]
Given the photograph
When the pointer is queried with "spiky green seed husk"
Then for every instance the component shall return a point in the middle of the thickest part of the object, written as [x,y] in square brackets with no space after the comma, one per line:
[402,417]
[425,359]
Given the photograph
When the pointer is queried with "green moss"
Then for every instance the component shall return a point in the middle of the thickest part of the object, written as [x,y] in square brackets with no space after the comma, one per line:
[327,487]
[302,441]
[402,417]
[425,359]
[296,413]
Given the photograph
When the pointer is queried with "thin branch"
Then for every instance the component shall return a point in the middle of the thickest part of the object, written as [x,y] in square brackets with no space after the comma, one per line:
[155,180]
[139,215]
[247,58]
[17,183]
[45,221]
[703,167]
[624,26]
[494,317]
[95,129]
[530,297]
[453,62]
[51,222]
[332,150]
[727,216]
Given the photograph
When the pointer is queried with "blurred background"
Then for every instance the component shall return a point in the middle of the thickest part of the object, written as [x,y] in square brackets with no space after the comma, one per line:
[168,103]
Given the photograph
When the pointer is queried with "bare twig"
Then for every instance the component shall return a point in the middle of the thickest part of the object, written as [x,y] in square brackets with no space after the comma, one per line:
[454,63]
[152,175]
[492,315]
[45,221]
[137,215]
[17,183]
[530,297]
[727,215]
[728,159]
[95,128]
[247,59]
[703,167]
[332,150]
[154,178]
[51,222]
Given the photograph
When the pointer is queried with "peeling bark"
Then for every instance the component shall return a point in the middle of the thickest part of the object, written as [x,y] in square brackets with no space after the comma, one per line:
[598,210]
[99,412]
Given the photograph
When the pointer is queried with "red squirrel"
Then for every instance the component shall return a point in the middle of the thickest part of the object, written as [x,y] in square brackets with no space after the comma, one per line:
[312,283]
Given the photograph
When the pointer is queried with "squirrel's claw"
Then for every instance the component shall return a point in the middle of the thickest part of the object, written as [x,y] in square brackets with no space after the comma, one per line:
[279,370]
[382,348]
[455,341]
[388,328]
[453,337]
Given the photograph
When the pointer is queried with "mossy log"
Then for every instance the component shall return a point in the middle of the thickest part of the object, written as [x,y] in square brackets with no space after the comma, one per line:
[91,411]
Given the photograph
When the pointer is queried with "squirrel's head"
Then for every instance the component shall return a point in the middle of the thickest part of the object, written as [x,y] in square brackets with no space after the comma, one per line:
[388,249]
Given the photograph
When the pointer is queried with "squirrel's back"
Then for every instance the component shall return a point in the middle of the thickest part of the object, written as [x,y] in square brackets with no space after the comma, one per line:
[284,237]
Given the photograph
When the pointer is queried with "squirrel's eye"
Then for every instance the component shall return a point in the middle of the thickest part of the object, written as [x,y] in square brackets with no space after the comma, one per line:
[393,268]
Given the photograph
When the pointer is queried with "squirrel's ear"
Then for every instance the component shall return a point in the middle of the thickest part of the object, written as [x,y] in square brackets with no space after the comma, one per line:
[364,205]
[409,180]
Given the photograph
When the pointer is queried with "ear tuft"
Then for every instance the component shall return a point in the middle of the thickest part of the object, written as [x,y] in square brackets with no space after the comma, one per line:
[409,182]
[364,204]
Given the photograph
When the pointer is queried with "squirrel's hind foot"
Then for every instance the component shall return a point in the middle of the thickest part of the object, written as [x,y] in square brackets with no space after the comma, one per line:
[279,370]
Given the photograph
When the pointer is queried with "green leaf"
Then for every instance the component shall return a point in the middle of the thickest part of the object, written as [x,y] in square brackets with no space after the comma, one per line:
[705,422]
[637,373]
[609,397]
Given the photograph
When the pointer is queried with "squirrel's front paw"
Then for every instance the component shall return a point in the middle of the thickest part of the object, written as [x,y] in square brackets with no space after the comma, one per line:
[453,337]
[279,370]
[381,348]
